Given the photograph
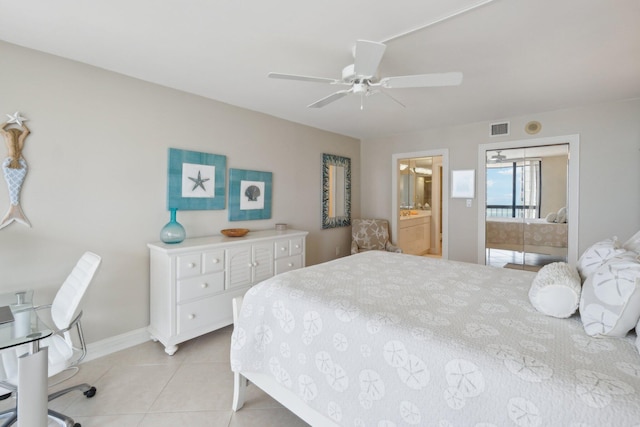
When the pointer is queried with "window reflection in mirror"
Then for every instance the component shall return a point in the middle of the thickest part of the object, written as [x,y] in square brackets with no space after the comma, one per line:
[336,191]
[526,205]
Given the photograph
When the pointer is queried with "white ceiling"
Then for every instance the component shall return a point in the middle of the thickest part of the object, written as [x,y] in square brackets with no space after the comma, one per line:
[518,57]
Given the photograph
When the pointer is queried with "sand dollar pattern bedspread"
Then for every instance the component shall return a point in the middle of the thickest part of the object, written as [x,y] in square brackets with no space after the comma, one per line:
[388,340]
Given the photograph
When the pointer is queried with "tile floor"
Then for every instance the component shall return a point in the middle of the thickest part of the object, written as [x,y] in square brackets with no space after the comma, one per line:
[500,258]
[144,387]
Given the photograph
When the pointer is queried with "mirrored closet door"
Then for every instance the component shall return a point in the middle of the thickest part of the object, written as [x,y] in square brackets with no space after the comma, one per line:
[526,197]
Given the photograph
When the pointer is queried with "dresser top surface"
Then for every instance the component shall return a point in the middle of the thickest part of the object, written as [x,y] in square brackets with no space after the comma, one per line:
[206,241]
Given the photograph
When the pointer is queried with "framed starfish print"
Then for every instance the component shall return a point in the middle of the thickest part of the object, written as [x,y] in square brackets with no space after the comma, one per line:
[196,181]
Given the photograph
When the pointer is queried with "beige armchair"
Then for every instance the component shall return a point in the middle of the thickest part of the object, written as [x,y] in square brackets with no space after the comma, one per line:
[371,234]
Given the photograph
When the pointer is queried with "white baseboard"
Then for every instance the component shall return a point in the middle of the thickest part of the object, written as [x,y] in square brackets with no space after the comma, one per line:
[117,343]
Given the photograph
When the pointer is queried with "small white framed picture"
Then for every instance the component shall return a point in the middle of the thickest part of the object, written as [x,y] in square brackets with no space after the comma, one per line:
[463,184]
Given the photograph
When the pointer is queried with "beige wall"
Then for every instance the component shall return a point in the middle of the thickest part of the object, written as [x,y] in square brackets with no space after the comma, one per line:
[609,169]
[97,159]
[554,184]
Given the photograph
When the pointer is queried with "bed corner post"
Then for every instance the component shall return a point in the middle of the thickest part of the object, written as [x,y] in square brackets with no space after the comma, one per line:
[239,382]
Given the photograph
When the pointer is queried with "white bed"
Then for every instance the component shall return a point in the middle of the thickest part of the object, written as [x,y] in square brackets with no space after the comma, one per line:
[382,339]
[527,235]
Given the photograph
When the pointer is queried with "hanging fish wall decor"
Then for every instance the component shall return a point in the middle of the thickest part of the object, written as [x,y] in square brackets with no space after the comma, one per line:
[14,167]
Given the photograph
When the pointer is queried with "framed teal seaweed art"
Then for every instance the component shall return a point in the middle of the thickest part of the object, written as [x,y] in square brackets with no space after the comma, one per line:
[249,195]
[196,181]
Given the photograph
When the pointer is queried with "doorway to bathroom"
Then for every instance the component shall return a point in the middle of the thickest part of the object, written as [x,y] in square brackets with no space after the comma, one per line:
[419,208]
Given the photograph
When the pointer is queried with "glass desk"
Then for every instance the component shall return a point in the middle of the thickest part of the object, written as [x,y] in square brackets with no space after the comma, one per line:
[26,329]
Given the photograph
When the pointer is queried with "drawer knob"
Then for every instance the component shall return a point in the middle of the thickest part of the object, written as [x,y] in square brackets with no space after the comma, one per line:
[192,316]
[297,246]
[290,264]
[283,248]
[215,261]
[250,265]
[204,285]
[255,264]
[191,265]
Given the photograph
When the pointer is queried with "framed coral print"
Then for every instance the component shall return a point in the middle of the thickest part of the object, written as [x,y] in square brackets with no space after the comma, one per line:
[249,195]
[196,181]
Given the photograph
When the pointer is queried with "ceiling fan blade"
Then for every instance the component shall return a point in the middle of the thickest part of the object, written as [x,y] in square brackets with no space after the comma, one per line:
[393,98]
[367,57]
[422,80]
[329,99]
[302,78]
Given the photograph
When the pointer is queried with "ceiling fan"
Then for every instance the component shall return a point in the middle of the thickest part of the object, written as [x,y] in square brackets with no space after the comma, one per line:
[497,158]
[361,79]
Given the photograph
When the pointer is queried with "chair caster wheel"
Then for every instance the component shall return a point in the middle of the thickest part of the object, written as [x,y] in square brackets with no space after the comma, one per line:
[5,396]
[77,425]
[89,393]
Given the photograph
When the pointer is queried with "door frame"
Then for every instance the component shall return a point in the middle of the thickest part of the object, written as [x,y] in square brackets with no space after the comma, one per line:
[395,197]
[573,183]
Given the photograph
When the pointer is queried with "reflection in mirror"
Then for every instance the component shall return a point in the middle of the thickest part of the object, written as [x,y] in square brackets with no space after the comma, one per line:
[526,206]
[336,191]
[420,205]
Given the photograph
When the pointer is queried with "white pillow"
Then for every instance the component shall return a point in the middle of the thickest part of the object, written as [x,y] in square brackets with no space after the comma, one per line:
[633,244]
[610,299]
[561,216]
[597,254]
[551,217]
[555,291]
[638,336]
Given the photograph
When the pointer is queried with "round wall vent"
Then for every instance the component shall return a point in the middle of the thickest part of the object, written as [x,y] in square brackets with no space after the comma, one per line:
[533,127]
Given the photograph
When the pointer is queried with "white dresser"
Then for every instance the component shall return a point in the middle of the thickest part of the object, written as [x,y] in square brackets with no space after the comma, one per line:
[192,283]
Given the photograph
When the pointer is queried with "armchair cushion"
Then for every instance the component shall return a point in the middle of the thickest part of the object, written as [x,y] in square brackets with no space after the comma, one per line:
[371,234]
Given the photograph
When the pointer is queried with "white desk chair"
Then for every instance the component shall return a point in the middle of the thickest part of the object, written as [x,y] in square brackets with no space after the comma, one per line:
[63,352]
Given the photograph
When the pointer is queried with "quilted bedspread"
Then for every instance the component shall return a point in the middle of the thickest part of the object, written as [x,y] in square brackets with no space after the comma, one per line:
[382,340]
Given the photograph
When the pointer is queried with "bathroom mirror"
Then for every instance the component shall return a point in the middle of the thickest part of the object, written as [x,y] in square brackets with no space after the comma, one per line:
[336,191]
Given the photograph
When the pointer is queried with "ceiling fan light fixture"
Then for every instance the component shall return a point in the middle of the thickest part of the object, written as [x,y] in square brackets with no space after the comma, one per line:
[362,77]
[497,158]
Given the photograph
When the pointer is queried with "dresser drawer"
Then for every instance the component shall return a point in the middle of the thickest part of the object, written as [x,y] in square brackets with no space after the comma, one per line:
[200,286]
[188,265]
[281,248]
[213,261]
[295,246]
[288,263]
[203,312]
[285,248]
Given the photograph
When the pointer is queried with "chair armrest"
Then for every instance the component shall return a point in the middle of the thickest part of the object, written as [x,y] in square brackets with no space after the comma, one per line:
[354,247]
[73,323]
[41,307]
[392,248]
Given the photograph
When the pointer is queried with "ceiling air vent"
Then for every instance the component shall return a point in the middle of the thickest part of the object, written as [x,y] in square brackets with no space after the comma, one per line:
[499,129]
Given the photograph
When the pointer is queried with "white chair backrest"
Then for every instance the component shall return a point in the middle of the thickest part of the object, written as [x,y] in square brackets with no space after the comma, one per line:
[9,365]
[70,294]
